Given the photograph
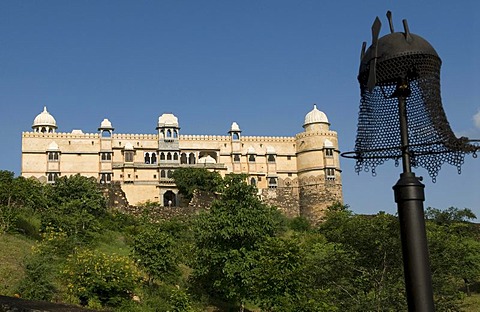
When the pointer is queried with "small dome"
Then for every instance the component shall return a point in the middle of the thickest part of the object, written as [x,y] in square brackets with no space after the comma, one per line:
[44,119]
[327,143]
[106,124]
[235,127]
[207,160]
[271,150]
[77,131]
[128,146]
[251,150]
[52,147]
[315,116]
[168,120]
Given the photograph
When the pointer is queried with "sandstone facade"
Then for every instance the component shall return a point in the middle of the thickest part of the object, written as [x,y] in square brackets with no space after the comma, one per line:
[300,174]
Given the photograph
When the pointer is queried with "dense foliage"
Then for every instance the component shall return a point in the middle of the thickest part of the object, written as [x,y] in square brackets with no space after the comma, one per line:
[188,180]
[238,254]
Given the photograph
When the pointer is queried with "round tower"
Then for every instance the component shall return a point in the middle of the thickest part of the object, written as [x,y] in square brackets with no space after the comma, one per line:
[44,122]
[318,165]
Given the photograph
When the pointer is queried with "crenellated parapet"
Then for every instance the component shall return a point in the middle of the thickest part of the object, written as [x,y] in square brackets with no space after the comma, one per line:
[263,139]
[190,137]
[60,135]
[133,136]
[313,134]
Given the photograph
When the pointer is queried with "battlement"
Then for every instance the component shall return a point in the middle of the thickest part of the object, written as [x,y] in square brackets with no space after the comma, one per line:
[196,137]
[133,136]
[263,139]
[60,135]
[318,133]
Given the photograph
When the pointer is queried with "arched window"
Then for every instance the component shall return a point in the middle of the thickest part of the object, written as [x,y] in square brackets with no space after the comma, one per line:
[162,174]
[175,156]
[330,173]
[169,174]
[162,156]
[235,136]
[169,156]
[272,182]
[128,156]
[169,133]
[251,158]
[191,159]
[253,181]
[236,158]
[53,156]
[153,158]
[183,158]
[147,158]
[175,133]
[169,199]
[106,134]
[271,158]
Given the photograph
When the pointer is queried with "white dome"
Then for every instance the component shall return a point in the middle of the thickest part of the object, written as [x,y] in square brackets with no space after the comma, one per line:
[251,150]
[207,160]
[77,131]
[44,119]
[327,143]
[52,147]
[106,124]
[235,127]
[271,150]
[167,120]
[315,116]
[128,146]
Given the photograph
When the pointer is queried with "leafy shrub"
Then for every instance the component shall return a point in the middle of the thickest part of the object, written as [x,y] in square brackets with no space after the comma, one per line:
[155,252]
[38,283]
[97,277]
[28,225]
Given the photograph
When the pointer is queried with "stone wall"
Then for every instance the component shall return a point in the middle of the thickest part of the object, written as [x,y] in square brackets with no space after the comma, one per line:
[307,200]
[316,198]
[115,196]
[284,198]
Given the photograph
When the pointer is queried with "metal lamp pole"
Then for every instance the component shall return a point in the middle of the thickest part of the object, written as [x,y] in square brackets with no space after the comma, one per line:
[409,196]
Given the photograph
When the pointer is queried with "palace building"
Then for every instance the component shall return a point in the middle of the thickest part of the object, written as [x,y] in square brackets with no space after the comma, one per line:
[300,174]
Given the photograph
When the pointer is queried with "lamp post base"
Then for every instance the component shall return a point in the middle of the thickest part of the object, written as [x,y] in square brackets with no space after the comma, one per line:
[409,196]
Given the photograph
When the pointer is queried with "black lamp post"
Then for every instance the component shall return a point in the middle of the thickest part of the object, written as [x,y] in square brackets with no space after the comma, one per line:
[401,117]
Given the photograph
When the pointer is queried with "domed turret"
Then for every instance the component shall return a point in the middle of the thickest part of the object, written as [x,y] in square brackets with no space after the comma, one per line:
[235,131]
[235,127]
[44,122]
[315,116]
[106,128]
[316,120]
[106,125]
[167,120]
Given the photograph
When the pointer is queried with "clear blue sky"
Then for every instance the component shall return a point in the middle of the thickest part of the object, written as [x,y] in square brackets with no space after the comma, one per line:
[260,63]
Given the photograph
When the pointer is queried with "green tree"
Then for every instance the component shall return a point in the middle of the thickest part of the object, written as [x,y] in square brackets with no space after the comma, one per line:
[283,275]
[188,180]
[19,197]
[76,207]
[449,216]
[155,252]
[374,280]
[225,237]
[95,277]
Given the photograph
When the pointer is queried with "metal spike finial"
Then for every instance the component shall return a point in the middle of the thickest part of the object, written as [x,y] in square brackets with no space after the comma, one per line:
[362,54]
[377,25]
[390,22]
[408,37]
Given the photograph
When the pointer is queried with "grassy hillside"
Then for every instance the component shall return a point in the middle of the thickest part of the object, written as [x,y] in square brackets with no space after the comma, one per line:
[13,248]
